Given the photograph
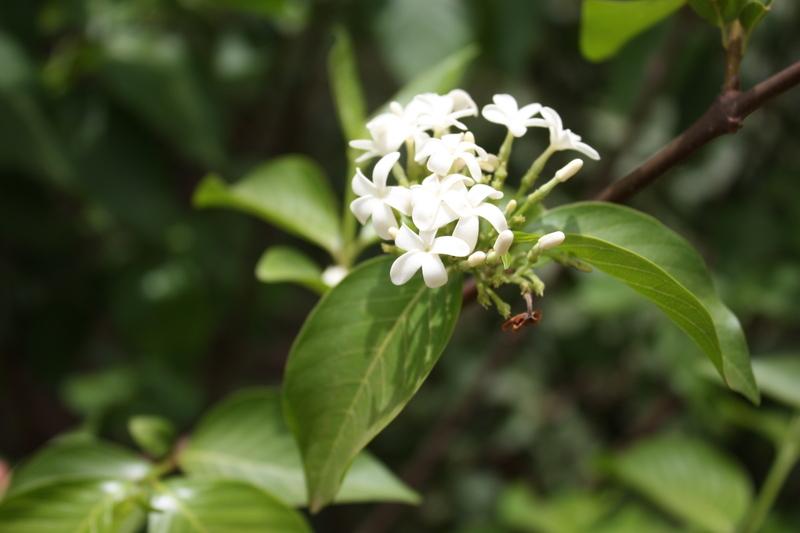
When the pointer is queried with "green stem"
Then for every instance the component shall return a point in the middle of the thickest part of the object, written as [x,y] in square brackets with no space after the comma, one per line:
[501,172]
[348,218]
[536,168]
[785,460]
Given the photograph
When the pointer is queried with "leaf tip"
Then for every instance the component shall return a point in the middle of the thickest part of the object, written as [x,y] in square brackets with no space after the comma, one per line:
[208,190]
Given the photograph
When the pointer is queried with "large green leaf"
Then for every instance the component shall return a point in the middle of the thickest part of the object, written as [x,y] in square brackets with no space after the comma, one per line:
[245,438]
[645,236]
[607,25]
[78,460]
[718,12]
[284,263]
[76,507]
[351,106]
[634,519]
[362,354]
[217,506]
[574,512]
[291,192]
[778,375]
[687,478]
[151,74]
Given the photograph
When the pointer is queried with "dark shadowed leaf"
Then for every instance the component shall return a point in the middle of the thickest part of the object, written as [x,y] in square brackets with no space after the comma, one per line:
[351,106]
[245,438]
[291,192]
[687,478]
[572,512]
[153,434]
[644,236]
[359,358]
[216,506]
[778,375]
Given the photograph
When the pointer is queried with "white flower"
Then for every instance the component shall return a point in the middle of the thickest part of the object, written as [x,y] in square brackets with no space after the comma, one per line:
[439,112]
[442,153]
[422,251]
[376,199]
[333,275]
[551,240]
[468,225]
[389,131]
[434,201]
[561,139]
[504,111]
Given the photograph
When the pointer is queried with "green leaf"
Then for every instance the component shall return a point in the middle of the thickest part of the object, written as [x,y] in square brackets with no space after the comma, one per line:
[687,478]
[150,73]
[284,263]
[72,461]
[153,434]
[751,15]
[778,376]
[607,25]
[351,106]
[286,11]
[291,192]
[634,519]
[572,512]
[718,12]
[441,78]
[361,355]
[645,236]
[245,438]
[216,506]
[77,507]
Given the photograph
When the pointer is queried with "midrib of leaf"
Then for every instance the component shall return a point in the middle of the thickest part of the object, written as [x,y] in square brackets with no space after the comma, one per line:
[85,525]
[378,357]
[217,458]
[191,518]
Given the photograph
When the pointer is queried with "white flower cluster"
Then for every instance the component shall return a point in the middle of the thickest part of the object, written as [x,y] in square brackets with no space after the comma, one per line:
[448,195]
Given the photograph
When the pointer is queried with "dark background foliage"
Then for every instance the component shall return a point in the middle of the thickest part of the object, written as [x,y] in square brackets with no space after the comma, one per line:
[118,298]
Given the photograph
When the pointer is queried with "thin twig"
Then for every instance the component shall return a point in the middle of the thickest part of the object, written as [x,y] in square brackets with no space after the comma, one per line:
[724,116]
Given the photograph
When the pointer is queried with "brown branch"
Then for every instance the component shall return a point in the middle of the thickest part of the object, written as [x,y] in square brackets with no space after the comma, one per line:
[724,116]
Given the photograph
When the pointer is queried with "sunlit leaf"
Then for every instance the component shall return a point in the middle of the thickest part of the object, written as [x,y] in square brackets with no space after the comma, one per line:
[153,434]
[607,25]
[291,192]
[645,236]
[245,438]
[76,507]
[351,105]
[778,376]
[150,73]
[284,263]
[565,513]
[687,478]
[72,461]
[361,355]
[216,506]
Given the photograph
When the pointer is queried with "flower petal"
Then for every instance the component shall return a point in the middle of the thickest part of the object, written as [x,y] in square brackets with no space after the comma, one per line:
[408,240]
[478,193]
[405,266]
[528,111]
[493,214]
[399,198]
[382,169]
[440,162]
[362,207]
[552,117]
[450,246]
[493,113]
[467,230]
[362,186]
[458,201]
[382,219]
[507,103]
[586,150]
[433,270]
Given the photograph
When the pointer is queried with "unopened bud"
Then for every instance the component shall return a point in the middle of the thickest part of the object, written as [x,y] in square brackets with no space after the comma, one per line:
[504,242]
[476,259]
[511,207]
[393,232]
[551,240]
[333,275]
[469,137]
[569,170]
[396,108]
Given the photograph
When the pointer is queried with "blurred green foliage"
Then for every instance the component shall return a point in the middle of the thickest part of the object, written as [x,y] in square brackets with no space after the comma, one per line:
[119,299]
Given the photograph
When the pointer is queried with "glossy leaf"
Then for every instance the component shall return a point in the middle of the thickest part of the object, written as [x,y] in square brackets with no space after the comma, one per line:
[291,192]
[350,102]
[284,263]
[153,434]
[441,78]
[245,438]
[687,478]
[520,509]
[361,355]
[78,460]
[643,235]
[76,507]
[150,73]
[607,25]
[216,506]
[778,376]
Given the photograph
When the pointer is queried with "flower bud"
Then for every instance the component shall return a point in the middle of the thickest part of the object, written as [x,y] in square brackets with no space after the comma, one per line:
[569,170]
[504,242]
[551,240]
[469,137]
[333,275]
[511,207]
[393,232]
[476,259]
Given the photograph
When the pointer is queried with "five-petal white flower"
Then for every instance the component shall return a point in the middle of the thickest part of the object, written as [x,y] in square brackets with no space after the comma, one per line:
[505,111]
[434,203]
[422,251]
[561,139]
[468,226]
[377,199]
[388,131]
[442,153]
[440,112]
